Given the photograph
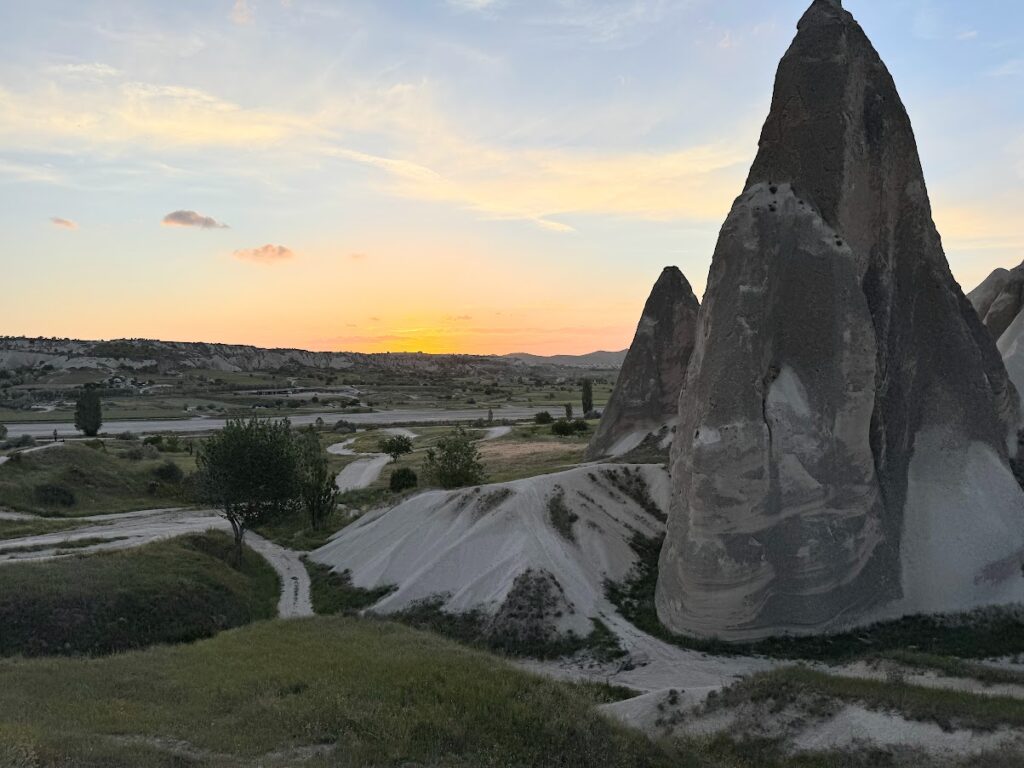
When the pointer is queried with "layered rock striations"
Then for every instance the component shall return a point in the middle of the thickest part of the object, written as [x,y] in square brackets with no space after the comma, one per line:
[843,446]
[646,396]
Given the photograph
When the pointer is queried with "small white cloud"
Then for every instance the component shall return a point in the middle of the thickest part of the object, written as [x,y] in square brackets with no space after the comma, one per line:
[191,219]
[267,254]
[93,70]
[241,13]
[57,221]
[472,5]
[968,34]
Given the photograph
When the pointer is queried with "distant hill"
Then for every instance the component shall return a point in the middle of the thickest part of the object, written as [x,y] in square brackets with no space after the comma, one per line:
[605,360]
[171,357]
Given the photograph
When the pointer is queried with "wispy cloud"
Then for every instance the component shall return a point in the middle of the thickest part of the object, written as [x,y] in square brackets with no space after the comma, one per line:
[57,221]
[1011,68]
[191,219]
[134,112]
[267,254]
[424,154]
[93,70]
[472,5]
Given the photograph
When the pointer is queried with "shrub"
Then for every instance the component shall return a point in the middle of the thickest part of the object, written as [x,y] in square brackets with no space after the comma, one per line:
[563,428]
[54,495]
[455,462]
[402,479]
[344,427]
[580,425]
[141,452]
[156,440]
[543,418]
[3,432]
[169,472]
[127,436]
[25,441]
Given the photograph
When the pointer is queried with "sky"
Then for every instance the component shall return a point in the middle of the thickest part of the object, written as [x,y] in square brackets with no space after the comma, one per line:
[471,176]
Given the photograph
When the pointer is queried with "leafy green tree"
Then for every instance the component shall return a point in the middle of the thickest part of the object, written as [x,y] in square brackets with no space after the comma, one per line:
[249,469]
[396,446]
[3,432]
[317,489]
[588,396]
[568,411]
[89,412]
[543,418]
[455,462]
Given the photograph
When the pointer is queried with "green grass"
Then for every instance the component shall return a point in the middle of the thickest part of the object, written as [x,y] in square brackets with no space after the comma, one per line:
[333,593]
[101,479]
[471,628]
[367,693]
[949,709]
[725,751]
[13,529]
[293,531]
[983,633]
[954,667]
[170,591]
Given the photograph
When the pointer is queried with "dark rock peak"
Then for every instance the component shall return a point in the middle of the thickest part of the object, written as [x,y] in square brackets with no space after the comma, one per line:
[647,391]
[842,395]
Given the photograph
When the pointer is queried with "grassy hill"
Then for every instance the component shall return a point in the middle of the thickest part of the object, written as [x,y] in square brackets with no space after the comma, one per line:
[168,592]
[96,477]
[323,691]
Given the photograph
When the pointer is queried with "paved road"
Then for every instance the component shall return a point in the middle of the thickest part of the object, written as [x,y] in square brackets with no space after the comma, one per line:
[134,529]
[202,424]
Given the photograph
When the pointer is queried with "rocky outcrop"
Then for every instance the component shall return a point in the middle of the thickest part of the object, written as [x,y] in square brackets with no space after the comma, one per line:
[844,441]
[646,396]
[999,299]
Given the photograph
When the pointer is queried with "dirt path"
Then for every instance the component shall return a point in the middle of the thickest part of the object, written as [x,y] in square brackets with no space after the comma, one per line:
[295,599]
[133,529]
[365,471]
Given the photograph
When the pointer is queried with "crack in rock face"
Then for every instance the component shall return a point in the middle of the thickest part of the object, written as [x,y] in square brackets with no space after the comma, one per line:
[831,338]
[646,395]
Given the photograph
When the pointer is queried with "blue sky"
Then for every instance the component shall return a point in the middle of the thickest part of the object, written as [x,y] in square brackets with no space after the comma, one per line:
[446,175]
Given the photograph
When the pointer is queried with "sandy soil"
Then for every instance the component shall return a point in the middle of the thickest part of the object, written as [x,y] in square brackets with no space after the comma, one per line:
[923,678]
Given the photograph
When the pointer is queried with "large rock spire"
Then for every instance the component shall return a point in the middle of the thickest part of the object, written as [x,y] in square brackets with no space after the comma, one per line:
[646,396]
[843,445]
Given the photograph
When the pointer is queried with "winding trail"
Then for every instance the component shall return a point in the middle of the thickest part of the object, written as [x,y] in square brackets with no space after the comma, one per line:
[363,472]
[133,529]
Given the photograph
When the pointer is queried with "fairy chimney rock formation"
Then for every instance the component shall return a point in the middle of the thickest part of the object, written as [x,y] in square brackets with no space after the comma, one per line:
[646,396]
[843,446]
[999,299]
